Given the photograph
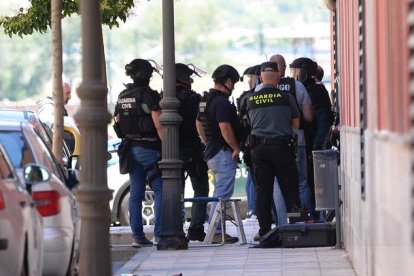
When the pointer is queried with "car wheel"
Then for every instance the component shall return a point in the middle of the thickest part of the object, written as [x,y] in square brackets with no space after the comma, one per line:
[124,210]
[148,217]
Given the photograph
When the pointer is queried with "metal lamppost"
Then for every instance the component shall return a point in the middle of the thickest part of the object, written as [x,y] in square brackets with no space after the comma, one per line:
[172,236]
[93,119]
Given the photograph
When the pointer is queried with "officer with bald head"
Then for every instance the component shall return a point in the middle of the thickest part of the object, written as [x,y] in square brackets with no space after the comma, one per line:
[298,90]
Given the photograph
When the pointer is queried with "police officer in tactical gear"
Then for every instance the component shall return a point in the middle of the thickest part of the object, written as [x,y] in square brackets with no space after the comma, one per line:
[191,149]
[136,115]
[252,77]
[273,115]
[303,69]
[218,126]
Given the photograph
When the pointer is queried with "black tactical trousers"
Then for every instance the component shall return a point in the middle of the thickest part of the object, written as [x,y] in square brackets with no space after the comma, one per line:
[270,161]
[196,168]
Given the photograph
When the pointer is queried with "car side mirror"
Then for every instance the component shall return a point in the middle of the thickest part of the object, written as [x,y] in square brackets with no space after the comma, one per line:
[33,174]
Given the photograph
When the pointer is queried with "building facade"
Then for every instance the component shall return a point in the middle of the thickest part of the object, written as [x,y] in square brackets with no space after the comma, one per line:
[372,69]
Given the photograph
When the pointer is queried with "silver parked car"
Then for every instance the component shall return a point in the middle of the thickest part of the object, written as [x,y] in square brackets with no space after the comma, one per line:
[21,226]
[55,201]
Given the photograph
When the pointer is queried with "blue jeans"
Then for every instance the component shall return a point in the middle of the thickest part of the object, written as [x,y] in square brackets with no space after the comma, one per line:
[323,119]
[304,190]
[223,169]
[251,195]
[279,204]
[141,159]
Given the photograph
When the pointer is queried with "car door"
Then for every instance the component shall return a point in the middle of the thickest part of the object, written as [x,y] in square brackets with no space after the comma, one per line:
[25,230]
[44,156]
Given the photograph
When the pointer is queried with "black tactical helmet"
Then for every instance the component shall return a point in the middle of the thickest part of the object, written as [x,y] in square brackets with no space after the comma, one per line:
[306,64]
[139,69]
[183,72]
[254,70]
[224,72]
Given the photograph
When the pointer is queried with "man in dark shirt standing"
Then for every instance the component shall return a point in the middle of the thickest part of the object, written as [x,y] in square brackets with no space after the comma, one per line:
[136,114]
[217,123]
[273,115]
[191,149]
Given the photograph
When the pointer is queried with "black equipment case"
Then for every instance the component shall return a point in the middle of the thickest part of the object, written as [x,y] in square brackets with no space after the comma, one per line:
[307,234]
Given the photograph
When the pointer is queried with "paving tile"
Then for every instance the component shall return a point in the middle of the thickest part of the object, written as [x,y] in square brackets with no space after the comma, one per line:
[336,264]
[235,259]
[302,273]
[252,267]
[263,271]
[301,266]
[338,272]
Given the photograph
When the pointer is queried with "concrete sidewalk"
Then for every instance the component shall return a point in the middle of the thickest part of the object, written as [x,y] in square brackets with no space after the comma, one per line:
[235,259]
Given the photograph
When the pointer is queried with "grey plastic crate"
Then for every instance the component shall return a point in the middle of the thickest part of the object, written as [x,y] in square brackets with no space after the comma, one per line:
[325,169]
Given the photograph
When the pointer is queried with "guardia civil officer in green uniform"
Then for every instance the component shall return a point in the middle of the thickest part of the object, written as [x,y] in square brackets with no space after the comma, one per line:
[273,114]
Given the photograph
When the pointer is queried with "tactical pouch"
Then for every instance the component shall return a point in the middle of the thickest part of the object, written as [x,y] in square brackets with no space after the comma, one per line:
[124,154]
[117,129]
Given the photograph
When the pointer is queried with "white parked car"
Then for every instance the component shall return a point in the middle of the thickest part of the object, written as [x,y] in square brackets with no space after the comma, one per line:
[55,201]
[120,183]
[21,226]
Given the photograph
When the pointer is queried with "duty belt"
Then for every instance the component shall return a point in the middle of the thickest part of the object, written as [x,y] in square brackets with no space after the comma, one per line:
[149,139]
[272,141]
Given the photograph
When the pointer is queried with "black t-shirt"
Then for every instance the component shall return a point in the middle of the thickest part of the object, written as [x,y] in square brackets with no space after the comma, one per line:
[189,101]
[219,110]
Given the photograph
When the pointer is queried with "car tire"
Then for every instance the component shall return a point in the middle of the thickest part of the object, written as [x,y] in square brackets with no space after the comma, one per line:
[124,210]
[148,217]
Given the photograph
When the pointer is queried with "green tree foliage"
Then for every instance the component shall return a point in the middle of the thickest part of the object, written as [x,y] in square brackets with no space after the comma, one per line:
[207,33]
[25,71]
[37,17]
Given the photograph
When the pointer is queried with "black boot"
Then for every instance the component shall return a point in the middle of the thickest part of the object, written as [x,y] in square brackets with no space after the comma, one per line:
[196,234]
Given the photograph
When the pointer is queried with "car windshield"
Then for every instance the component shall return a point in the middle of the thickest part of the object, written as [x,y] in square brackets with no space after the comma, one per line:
[15,147]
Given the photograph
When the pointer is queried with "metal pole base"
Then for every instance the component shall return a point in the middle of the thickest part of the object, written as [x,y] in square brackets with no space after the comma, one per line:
[172,243]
